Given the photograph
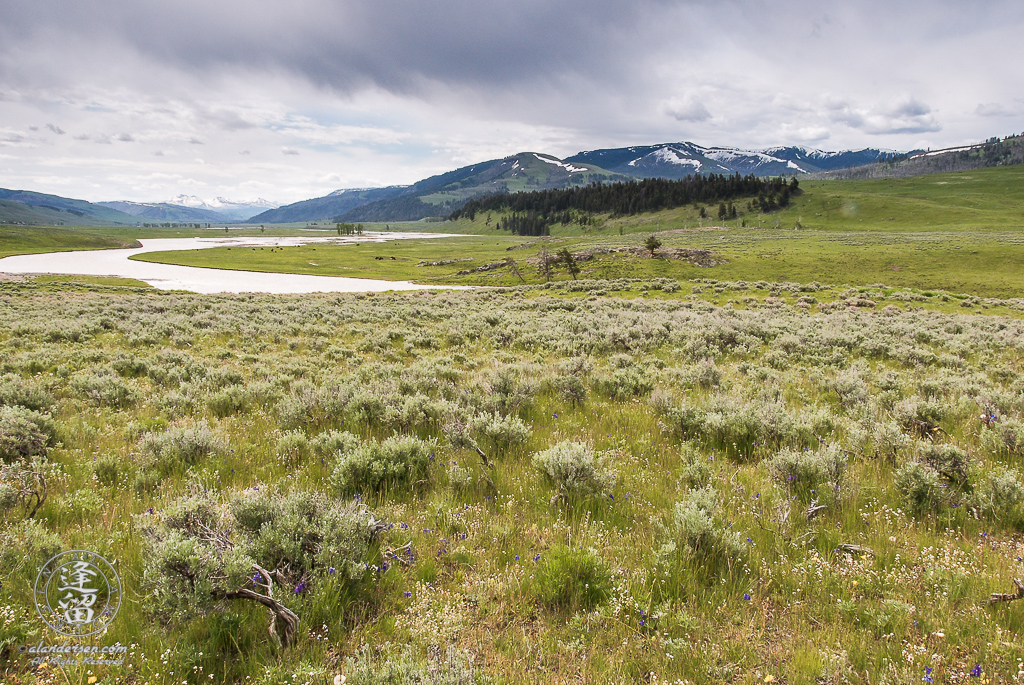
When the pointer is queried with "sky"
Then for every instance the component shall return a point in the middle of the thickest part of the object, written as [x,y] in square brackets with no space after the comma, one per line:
[144,100]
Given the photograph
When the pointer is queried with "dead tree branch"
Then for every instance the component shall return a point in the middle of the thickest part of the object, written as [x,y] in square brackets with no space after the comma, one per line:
[997,597]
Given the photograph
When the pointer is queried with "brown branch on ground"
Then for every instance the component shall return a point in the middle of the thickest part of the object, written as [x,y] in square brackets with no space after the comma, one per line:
[997,597]
[393,554]
[855,549]
[814,510]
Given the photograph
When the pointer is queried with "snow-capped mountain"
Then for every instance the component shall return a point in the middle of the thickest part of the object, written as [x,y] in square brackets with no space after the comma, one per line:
[161,212]
[229,209]
[677,160]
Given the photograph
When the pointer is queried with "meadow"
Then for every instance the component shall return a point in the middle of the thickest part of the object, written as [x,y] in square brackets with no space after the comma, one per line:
[600,481]
[955,232]
[757,455]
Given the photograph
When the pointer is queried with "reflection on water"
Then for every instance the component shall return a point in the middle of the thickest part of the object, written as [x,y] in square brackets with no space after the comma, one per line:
[172,277]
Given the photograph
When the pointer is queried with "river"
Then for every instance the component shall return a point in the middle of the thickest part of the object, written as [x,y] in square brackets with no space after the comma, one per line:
[199,280]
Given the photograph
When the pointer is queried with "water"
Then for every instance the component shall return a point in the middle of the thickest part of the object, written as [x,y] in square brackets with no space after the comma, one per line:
[173,277]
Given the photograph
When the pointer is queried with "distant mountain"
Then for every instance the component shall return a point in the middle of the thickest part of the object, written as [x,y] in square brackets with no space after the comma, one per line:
[164,212]
[227,209]
[993,152]
[678,160]
[39,209]
[338,202]
[440,195]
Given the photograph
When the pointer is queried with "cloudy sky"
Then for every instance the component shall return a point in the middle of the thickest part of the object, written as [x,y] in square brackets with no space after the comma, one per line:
[147,99]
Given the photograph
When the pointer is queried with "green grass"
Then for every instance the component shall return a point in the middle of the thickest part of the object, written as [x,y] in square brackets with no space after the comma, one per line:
[474,585]
[960,233]
[15,240]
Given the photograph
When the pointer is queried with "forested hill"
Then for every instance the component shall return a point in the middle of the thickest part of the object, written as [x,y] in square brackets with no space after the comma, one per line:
[635,197]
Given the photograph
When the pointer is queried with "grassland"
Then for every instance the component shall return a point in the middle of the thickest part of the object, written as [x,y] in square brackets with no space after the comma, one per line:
[659,473]
[678,398]
[962,233]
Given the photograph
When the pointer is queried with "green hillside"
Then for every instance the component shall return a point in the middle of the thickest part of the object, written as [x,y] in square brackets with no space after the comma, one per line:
[440,195]
[39,209]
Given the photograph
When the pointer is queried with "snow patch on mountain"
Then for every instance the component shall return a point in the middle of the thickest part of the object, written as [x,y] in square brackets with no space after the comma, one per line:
[730,155]
[568,167]
[220,203]
[668,155]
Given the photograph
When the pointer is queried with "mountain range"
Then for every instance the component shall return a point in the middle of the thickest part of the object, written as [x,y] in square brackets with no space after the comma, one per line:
[439,195]
[442,194]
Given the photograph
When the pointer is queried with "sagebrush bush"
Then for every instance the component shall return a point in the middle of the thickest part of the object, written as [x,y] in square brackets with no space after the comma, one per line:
[570,388]
[1004,434]
[399,461]
[18,392]
[571,579]
[24,434]
[503,431]
[332,443]
[948,460]
[231,400]
[575,469]
[292,448]
[180,445]
[997,493]
[509,391]
[106,390]
[811,474]
[204,549]
[27,545]
[919,486]
[309,405]
[697,469]
[632,381]
[698,537]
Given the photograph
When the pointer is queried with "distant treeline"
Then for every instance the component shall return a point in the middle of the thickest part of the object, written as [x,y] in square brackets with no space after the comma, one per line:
[533,212]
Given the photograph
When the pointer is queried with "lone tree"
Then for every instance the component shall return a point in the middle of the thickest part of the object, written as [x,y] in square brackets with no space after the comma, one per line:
[570,262]
[205,550]
[652,244]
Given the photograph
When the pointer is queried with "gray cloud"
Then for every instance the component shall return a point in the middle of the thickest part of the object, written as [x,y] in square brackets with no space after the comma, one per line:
[400,45]
[688,109]
[56,129]
[126,137]
[996,109]
[390,91]
[907,115]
